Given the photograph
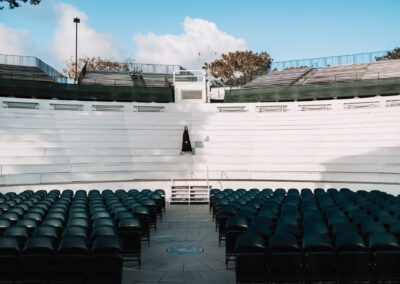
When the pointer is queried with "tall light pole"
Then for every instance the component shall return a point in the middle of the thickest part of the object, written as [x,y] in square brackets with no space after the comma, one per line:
[76,21]
[208,56]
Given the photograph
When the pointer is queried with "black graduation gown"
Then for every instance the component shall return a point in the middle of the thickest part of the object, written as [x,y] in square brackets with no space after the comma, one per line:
[186,147]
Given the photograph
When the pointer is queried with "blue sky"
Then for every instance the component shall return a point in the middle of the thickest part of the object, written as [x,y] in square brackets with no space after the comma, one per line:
[286,29]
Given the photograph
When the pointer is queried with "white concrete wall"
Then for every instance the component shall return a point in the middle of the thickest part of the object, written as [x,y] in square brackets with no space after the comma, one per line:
[343,146]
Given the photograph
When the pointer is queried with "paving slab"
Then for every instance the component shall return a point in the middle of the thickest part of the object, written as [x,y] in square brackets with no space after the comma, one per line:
[182,226]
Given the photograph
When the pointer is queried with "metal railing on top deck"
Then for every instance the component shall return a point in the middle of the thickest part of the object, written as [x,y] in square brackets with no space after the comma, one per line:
[144,68]
[31,61]
[328,60]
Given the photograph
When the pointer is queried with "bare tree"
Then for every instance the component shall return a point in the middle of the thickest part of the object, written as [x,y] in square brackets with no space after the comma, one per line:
[94,64]
[17,3]
[239,67]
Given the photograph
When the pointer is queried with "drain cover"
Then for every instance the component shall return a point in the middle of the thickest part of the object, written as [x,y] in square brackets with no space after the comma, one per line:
[185,250]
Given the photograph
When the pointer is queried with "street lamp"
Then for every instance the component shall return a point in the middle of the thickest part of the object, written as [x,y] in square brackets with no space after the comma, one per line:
[76,21]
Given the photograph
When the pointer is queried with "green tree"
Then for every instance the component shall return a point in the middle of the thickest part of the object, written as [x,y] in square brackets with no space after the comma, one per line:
[393,54]
[239,67]
[17,3]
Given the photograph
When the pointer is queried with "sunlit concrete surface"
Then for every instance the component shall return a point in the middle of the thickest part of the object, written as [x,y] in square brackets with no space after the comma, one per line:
[183,225]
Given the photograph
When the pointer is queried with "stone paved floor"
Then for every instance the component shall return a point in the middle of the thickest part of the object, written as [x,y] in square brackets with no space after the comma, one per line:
[183,225]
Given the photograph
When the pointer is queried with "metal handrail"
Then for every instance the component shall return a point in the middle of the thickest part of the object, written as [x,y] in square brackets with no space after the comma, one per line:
[320,62]
[33,62]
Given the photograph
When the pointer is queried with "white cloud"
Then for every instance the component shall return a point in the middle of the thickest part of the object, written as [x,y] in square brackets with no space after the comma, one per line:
[200,36]
[90,42]
[16,42]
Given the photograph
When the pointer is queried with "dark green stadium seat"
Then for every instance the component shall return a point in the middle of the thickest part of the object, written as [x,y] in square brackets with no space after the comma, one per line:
[34,215]
[151,204]
[17,210]
[249,207]
[268,213]
[288,229]
[146,191]
[319,258]
[362,219]
[353,262]
[261,229]
[19,232]
[283,220]
[386,256]
[58,212]
[234,227]
[264,221]
[43,205]
[30,224]
[346,227]
[55,222]
[4,224]
[100,214]
[133,204]
[336,220]
[315,227]
[311,212]
[70,265]
[9,254]
[313,218]
[78,214]
[83,222]
[75,231]
[105,263]
[38,210]
[10,216]
[108,221]
[395,229]
[388,220]
[129,230]
[37,260]
[4,207]
[102,230]
[117,209]
[251,259]
[47,231]
[160,203]
[249,215]
[222,215]
[371,227]
[162,191]
[143,213]
[122,215]
[285,258]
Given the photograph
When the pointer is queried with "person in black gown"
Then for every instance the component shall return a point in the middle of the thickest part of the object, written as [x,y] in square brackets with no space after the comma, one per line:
[186,146]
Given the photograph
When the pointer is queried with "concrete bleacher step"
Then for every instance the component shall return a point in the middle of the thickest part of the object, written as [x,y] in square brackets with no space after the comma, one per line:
[46,146]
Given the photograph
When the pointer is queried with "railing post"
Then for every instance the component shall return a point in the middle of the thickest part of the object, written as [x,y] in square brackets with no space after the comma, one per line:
[379,86]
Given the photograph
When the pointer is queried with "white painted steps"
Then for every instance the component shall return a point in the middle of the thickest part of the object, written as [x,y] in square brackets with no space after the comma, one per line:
[44,146]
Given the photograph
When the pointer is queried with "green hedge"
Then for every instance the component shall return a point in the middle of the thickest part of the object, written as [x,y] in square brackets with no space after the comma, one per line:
[364,88]
[48,90]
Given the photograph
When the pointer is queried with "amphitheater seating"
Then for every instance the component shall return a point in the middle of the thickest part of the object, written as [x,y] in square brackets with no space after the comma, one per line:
[9,253]
[385,69]
[363,71]
[316,236]
[124,79]
[107,78]
[155,81]
[71,259]
[251,260]
[278,78]
[19,72]
[47,146]
[62,237]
